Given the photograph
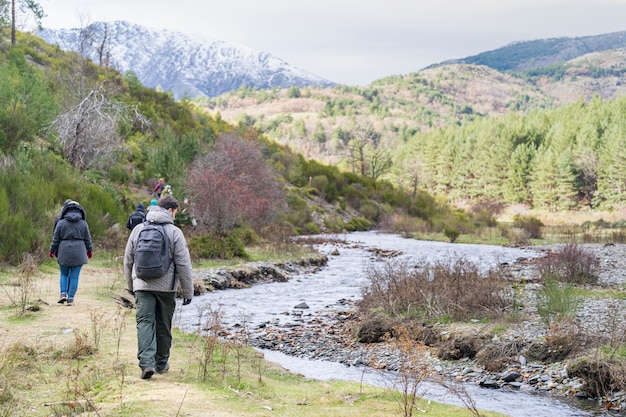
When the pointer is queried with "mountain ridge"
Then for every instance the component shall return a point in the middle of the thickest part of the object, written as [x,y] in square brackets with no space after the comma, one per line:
[538,53]
[187,65]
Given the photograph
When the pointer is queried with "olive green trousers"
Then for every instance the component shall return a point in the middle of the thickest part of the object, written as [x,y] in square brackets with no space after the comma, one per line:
[154,327]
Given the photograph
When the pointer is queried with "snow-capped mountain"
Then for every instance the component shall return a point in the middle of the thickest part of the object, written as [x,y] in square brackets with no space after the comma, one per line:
[184,64]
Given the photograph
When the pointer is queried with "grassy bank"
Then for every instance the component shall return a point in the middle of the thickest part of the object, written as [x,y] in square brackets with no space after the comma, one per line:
[59,360]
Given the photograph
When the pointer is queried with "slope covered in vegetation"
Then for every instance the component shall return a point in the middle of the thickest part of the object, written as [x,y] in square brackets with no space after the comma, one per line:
[71,129]
[547,138]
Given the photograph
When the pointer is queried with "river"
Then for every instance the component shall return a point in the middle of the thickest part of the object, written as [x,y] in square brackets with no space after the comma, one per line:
[342,279]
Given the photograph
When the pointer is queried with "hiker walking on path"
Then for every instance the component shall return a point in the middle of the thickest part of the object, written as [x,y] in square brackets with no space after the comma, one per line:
[156,297]
[136,217]
[72,246]
[158,188]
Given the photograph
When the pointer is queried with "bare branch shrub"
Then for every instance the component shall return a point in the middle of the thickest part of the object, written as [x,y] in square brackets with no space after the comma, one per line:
[89,130]
[615,331]
[24,284]
[212,324]
[98,323]
[570,263]
[452,289]
[120,320]
[413,368]
[459,391]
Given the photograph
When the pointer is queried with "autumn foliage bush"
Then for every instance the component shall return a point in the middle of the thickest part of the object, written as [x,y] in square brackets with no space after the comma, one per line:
[233,186]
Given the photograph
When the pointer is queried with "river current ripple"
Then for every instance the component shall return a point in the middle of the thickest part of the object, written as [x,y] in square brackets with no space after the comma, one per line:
[342,279]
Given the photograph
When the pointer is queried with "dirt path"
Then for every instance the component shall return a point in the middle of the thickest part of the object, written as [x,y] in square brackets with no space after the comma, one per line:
[56,325]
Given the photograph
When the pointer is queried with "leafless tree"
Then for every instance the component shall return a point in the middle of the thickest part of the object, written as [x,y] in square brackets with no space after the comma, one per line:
[232,185]
[365,154]
[89,131]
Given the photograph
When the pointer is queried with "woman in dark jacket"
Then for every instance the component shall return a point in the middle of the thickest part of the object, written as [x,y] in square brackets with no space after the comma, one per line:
[71,244]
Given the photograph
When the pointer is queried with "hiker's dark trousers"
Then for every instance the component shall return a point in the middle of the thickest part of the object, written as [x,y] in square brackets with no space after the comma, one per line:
[154,327]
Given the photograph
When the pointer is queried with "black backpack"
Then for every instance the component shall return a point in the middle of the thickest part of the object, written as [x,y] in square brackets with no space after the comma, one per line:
[152,252]
[135,218]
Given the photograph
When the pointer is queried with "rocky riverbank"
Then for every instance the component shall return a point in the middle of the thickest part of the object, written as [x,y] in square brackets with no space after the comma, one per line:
[211,279]
[330,334]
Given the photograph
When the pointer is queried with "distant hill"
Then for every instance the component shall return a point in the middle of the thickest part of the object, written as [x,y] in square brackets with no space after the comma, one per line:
[314,121]
[398,106]
[526,55]
[184,64]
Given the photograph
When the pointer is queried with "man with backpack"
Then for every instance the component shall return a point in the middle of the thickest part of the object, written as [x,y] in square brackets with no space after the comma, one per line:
[156,262]
[136,217]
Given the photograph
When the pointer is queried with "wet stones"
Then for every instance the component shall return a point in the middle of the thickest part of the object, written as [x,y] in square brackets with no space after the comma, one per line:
[242,276]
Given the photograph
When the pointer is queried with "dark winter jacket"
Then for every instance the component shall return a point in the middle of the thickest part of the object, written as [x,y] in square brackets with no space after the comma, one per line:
[68,201]
[180,270]
[71,239]
[136,217]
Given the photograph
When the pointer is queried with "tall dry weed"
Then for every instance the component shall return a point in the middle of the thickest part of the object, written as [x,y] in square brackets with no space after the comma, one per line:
[413,368]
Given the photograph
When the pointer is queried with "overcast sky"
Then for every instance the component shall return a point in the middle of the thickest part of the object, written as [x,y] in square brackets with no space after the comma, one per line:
[355,42]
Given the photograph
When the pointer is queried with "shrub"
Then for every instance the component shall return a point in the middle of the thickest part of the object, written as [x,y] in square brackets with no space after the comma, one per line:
[531,225]
[451,234]
[119,174]
[247,236]
[319,182]
[557,301]
[572,264]
[455,289]
[214,246]
[370,210]
[358,224]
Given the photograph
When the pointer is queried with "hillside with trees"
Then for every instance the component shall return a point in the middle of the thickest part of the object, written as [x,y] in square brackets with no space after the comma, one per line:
[545,138]
[319,123]
[70,129]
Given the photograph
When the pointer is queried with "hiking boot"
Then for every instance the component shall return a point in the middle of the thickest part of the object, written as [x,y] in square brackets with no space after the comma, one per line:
[62,299]
[163,370]
[70,302]
[147,373]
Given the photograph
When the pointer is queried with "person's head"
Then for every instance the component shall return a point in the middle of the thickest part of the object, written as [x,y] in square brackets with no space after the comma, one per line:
[169,203]
[161,180]
[153,202]
[140,207]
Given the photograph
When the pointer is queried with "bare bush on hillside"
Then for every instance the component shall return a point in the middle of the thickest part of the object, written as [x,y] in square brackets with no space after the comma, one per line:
[88,131]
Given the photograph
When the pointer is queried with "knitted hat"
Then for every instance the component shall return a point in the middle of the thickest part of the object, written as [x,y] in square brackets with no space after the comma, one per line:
[153,202]
[140,206]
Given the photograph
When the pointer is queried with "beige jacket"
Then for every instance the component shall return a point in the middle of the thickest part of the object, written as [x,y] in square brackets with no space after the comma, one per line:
[180,271]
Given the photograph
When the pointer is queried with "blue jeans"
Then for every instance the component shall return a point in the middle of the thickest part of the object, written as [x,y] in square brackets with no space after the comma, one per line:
[69,280]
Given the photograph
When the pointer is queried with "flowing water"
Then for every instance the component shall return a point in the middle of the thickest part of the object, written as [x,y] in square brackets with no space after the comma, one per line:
[342,279]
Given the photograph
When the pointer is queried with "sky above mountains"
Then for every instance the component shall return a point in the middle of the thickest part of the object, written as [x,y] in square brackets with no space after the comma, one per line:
[355,42]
